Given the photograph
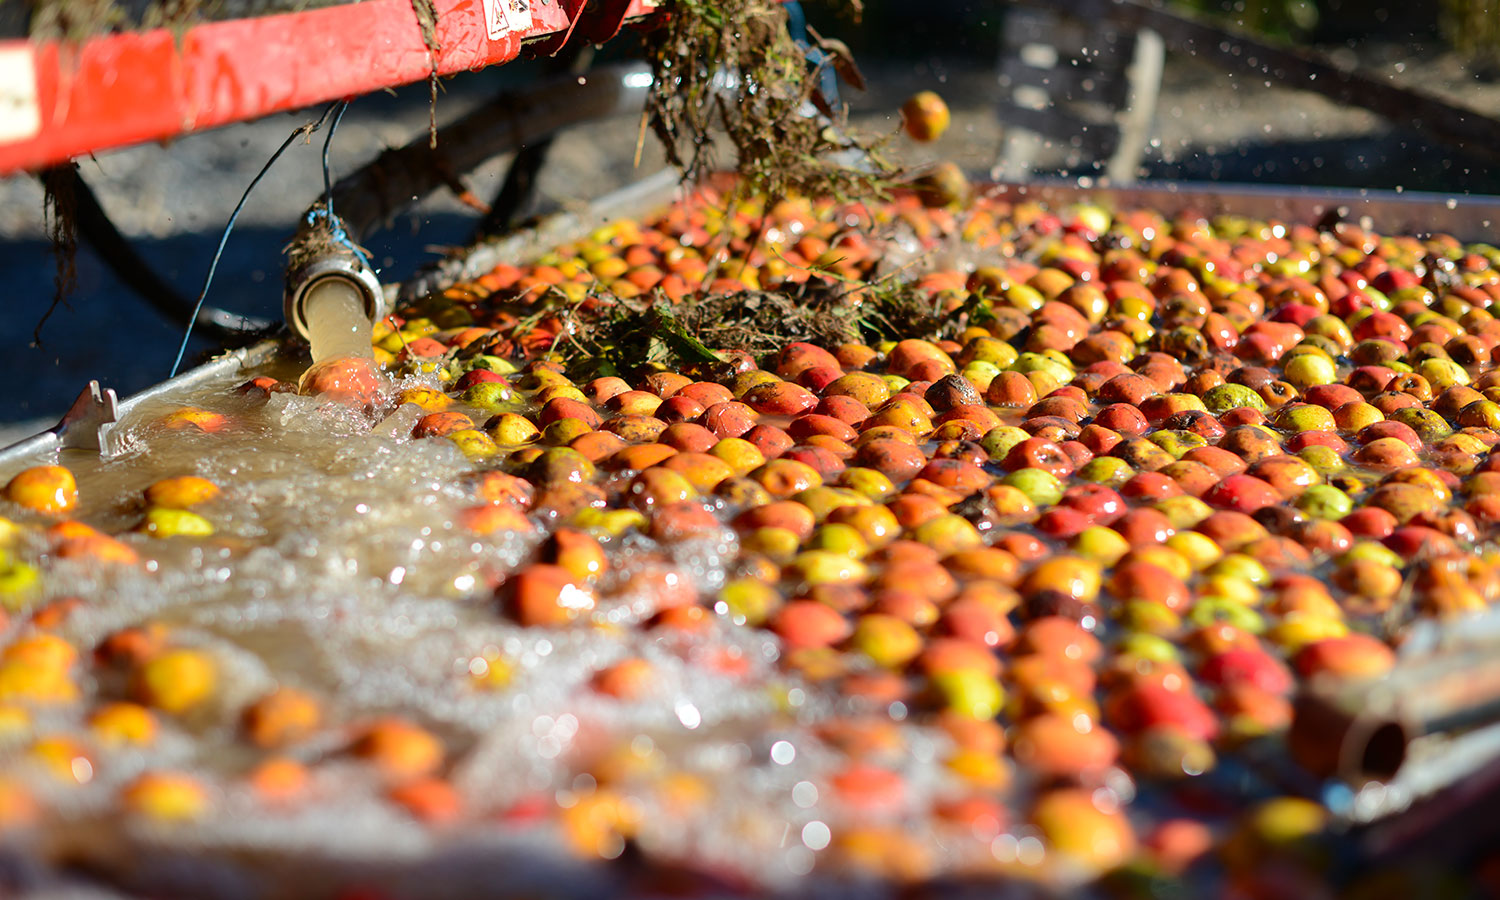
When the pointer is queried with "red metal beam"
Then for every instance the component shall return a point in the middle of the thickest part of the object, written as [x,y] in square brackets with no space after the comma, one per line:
[58,101]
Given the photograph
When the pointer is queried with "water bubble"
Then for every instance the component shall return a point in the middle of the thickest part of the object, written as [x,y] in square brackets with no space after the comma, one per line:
[816,835]
[805,794]
[82,769]
[1030,851]
[800,860]
[1005,848]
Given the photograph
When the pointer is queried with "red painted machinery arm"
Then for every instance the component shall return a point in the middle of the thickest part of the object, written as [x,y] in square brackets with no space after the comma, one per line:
[60,100]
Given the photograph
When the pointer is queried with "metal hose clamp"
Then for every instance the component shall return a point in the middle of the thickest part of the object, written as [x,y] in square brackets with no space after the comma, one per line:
[322,250]
[301,281]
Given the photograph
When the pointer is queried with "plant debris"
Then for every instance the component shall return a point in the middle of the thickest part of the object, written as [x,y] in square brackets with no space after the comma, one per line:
[733,65]
[712,329]
[60,207]
[75,19]
[426,13]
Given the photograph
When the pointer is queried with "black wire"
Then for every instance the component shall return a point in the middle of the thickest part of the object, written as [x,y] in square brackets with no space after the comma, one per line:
[213,266]
[327,174]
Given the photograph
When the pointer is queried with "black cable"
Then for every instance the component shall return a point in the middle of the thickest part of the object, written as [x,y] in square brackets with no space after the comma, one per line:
[118,253]
[213,266]
[327,144]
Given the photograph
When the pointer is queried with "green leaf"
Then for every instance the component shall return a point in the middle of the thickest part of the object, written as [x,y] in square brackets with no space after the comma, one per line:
[684,344]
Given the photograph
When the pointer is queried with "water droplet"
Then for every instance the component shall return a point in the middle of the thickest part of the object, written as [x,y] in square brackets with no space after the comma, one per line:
[800,860]
[805,794]
[1030,852]
[816,835]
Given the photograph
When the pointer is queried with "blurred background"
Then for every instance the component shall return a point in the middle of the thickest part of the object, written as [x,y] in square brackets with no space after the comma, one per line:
[1208,123]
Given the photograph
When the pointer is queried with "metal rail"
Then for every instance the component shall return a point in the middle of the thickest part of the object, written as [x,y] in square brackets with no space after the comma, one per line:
[88,423]
[638,199]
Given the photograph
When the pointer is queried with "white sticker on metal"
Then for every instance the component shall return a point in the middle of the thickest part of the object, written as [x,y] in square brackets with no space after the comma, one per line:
[502,17]
[19,116]
[520,14]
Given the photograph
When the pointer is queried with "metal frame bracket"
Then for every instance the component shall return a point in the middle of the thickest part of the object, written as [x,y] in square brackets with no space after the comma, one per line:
[87,424]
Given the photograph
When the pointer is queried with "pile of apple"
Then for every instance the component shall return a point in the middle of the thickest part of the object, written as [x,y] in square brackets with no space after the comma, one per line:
[1155,475]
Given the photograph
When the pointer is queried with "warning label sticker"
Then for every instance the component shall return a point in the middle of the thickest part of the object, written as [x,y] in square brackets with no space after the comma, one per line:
[503,17]
[19,117]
